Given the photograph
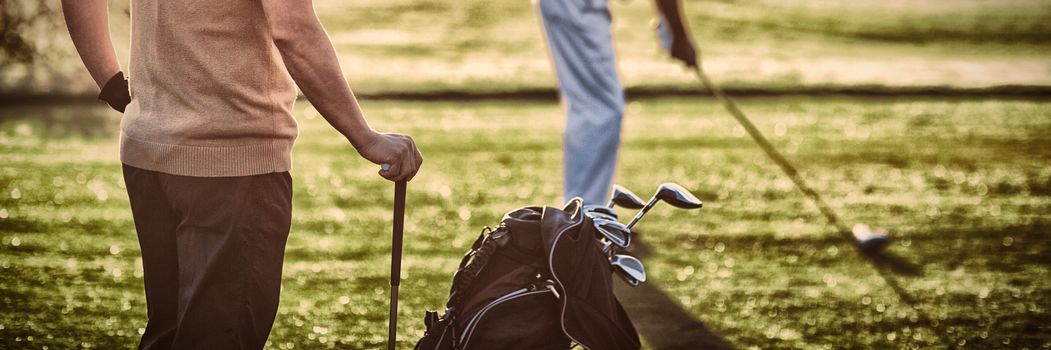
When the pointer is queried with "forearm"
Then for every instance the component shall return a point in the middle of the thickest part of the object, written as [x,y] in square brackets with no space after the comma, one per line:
[88,23]
[670,10]
[312,62]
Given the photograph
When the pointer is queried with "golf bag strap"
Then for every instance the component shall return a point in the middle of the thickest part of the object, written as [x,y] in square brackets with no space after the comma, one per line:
[474,261]
[474,247]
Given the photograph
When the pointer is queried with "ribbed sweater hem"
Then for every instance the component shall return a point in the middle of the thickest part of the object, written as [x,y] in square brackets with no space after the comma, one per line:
[207,161]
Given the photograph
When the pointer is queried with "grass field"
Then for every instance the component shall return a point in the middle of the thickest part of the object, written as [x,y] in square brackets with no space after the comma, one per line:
[480,45]
[964,185]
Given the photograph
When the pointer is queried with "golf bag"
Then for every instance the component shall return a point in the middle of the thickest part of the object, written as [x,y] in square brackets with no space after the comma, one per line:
[537,281]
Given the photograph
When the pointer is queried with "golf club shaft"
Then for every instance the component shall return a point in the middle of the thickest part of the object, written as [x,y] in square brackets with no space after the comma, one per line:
[642,212]
[773,153]
[392,327]
[395,261]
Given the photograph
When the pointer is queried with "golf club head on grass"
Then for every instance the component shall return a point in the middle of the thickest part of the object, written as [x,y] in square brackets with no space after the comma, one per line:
[628,268]
[624,198]
[870,240]
[614,231]
[671,193]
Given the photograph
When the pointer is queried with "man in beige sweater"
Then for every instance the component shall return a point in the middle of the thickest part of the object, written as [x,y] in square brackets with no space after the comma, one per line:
[206,144]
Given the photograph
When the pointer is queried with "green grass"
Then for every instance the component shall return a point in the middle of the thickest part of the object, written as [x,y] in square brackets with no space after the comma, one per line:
[964,186]
[480,45]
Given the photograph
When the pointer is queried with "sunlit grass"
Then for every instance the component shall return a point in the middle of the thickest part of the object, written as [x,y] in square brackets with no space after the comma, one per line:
[963,186]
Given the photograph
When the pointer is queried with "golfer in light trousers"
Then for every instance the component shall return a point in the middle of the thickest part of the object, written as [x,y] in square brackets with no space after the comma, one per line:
[581,46]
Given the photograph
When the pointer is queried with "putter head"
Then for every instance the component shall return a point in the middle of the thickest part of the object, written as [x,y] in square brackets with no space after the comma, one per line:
[613,231]
[629,268]
[677,196]
[870,240]
[624,198]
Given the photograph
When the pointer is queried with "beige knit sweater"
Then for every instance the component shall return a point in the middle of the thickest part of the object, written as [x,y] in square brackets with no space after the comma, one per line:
[210,94]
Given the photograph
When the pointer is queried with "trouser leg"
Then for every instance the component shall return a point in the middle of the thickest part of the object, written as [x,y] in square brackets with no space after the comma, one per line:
[581,44]
[230,242]
[155,222]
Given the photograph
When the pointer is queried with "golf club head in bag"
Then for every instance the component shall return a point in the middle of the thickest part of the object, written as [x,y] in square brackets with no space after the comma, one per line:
[594,216]
[677,196]
[628,268]
[597,211]
[613,231]
[671,193]
[624,198]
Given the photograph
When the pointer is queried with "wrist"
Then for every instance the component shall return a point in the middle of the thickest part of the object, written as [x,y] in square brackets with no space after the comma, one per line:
[363,139]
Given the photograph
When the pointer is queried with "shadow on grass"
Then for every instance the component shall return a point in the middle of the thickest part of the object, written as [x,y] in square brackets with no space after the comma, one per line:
[984,241]
[660,320]
[886,264]
[894,263]
[666,325]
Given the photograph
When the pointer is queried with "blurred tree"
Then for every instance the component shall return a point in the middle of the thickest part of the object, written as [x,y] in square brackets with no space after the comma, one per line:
[36,55]
[26,28]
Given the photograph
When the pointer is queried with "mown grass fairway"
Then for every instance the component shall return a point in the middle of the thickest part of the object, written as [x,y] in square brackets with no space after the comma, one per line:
[964,185]
[483,45]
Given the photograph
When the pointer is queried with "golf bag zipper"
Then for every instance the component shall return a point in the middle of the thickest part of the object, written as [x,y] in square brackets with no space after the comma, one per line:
[550,258]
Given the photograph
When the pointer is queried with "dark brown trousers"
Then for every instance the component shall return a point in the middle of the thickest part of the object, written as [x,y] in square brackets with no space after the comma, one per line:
[212,250]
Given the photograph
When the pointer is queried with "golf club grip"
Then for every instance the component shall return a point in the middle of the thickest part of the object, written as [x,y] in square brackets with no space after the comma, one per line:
[772,152]
[397,233]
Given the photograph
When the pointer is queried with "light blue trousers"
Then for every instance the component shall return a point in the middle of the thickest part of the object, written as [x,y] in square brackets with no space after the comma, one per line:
[581,44]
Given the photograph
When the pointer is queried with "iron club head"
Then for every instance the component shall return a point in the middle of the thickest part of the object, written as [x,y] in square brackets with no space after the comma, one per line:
[595,211]
[624,198]
[597,215]
[629,268]
[614,231]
